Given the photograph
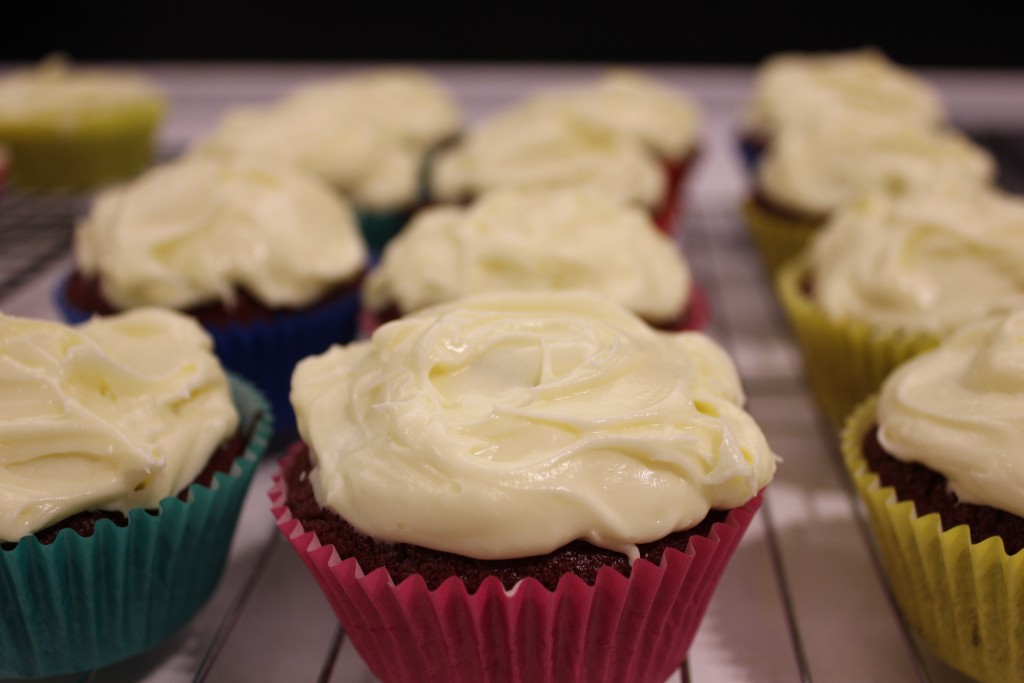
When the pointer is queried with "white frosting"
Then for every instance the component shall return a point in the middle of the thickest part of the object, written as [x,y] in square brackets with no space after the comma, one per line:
[535,148]
[819,167]
[194,231]
[957,410]
[54,94]
[115,414]
[365,135]
[511,240]
[925,262]
[508,425]
[793,89]
[636,105]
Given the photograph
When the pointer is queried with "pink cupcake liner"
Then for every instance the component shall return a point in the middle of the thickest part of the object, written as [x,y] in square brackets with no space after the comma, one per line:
[627,630]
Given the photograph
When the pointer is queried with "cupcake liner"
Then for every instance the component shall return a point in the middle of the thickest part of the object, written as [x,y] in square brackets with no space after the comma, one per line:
[378,227]
[620,629]
[92,152]
[668,217]
[845,360]
[965,600]
[777,238]
[80,603]
[266,351]
[751,150]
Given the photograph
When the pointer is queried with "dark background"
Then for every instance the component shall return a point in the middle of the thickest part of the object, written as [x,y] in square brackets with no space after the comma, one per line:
[972,34]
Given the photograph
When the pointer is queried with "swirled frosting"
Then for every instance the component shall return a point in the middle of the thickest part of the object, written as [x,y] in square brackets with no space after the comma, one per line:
[536,148]
[365,135]
[819,167]
[957,410]
[507,425]
[793,89]
[115,414]
[195,231]
[926,262]
[636,105]
[513,240]
[55,94]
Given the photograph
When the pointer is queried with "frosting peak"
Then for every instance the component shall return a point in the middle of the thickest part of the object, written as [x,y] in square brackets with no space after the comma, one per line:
[536,148]
[793,89]
[366,135]
[194,231]
[924,262]
[515,240]
[508,425]
[115,414]
[956,409]
[54,92]
[818,167]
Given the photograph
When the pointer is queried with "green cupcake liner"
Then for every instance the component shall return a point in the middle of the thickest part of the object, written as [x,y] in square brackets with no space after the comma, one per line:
[965,600]
[81,603]
[845,360]
[778,239]
[91,152]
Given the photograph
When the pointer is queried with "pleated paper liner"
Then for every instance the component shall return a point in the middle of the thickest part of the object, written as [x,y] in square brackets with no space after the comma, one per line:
[965,600]
[669,216]
[777,238]
[91,152]
[81,603]
[845,360]
[378,227]
[266,351]
[626,630]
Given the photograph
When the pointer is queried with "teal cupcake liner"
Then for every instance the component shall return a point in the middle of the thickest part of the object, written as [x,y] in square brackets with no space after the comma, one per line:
[81,603]
[378,227]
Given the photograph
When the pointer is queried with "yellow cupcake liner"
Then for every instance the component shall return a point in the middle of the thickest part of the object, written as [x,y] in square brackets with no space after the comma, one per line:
[777,238]
[965,600]
[845,360]
[94,150]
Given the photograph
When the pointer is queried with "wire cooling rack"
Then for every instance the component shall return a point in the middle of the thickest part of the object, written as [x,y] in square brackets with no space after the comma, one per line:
[802,600]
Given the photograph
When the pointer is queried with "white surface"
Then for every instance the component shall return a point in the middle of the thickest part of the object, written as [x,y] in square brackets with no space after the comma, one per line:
[801,600]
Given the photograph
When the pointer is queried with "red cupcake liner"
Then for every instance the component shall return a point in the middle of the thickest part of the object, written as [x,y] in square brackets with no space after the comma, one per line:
[628,630]
[668,217]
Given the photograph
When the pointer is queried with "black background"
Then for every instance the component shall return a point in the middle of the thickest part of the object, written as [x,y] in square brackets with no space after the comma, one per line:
[711,32]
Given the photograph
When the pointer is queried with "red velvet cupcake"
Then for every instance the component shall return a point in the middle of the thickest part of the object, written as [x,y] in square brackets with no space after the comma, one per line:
[515,488]
[626,136]
[551,240]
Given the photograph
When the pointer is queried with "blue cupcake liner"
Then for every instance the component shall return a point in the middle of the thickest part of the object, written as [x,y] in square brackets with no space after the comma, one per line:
[266,351]
[81,603]
[751,151]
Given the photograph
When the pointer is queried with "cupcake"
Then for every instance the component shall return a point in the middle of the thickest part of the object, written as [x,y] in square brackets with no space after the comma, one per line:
[810,172]
[535,147]
[540,241]
[265,256]
[793,90]
[665,120]
[480,479]
[367,135]
[126,456]
[937,462]
[70,128]
[890,276]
